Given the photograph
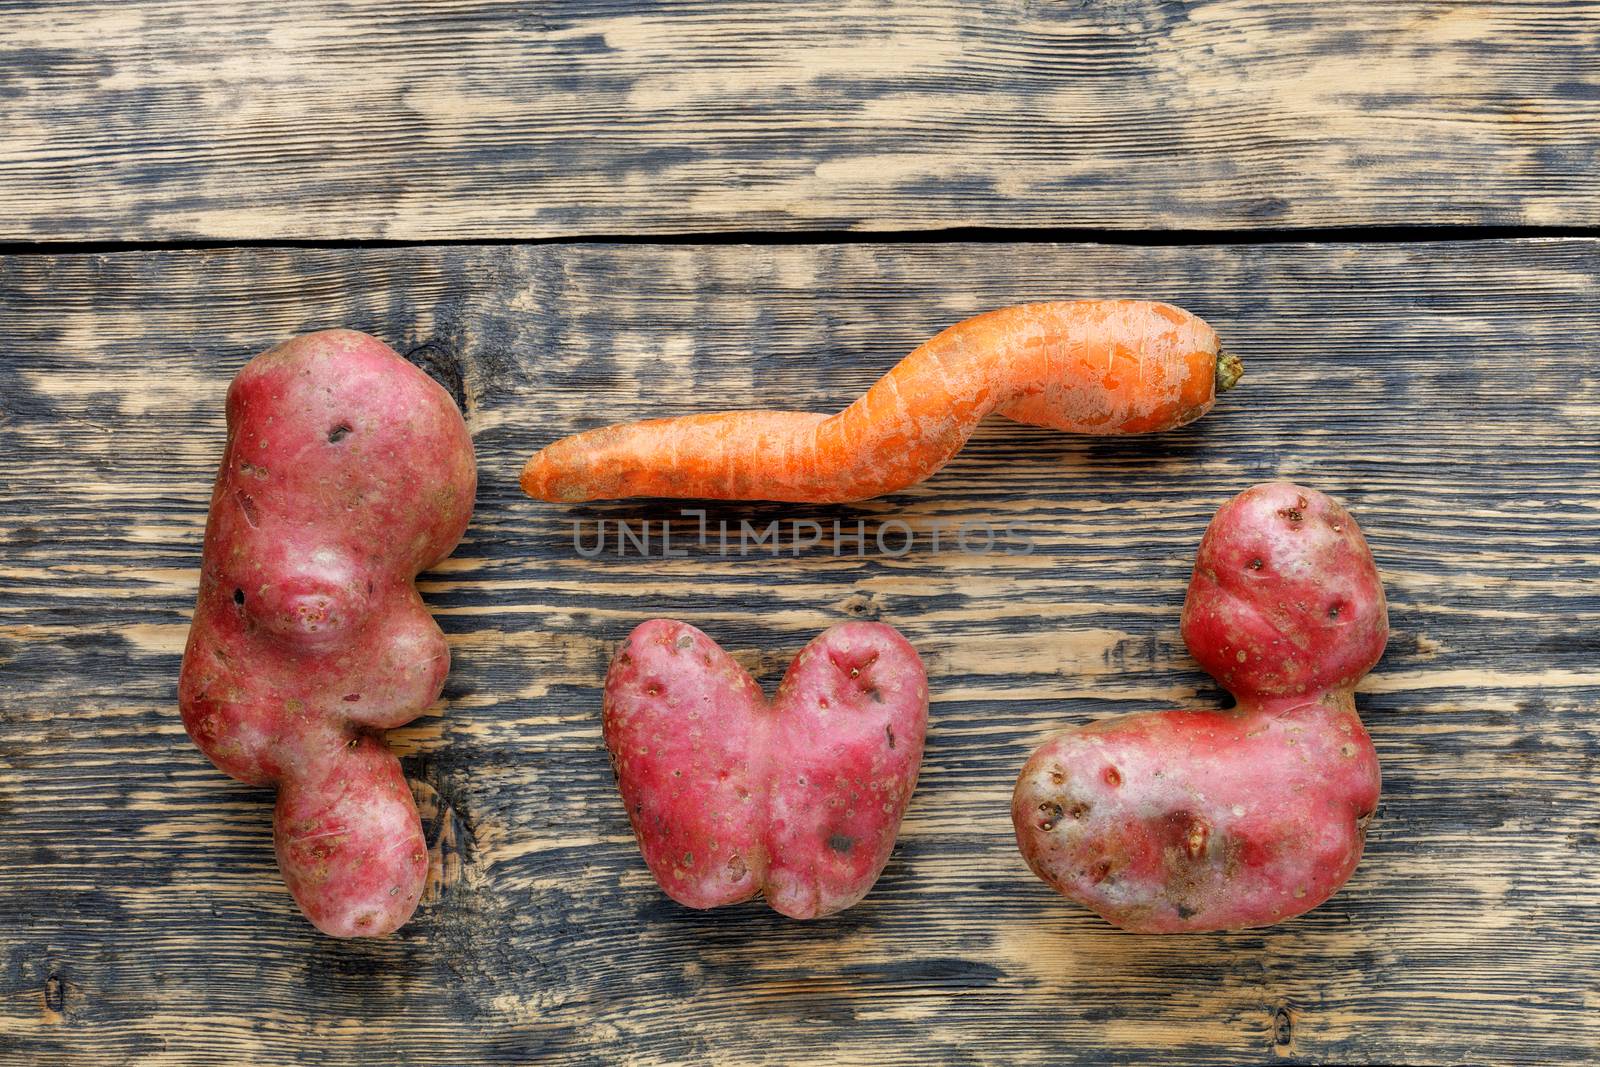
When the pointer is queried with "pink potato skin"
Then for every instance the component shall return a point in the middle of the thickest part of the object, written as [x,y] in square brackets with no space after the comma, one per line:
[346,472]
[1188,821]
[798,800]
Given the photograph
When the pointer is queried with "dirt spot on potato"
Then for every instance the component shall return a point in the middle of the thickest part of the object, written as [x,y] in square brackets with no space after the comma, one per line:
[1189,832]
[1296,514]
[247,505]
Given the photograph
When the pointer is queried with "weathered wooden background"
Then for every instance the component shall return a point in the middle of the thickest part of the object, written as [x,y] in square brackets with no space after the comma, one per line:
[1447,390]
[457,119]
[1449,394]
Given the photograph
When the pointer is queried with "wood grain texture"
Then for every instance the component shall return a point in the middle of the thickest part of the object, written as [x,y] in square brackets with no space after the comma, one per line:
[447,119]
[1449,394]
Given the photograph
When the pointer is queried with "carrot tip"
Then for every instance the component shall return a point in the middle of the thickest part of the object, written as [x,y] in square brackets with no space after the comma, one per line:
[1230,368]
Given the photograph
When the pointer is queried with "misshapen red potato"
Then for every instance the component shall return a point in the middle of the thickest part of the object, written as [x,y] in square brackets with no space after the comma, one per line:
[732,797]
[1177,821]
[346,472]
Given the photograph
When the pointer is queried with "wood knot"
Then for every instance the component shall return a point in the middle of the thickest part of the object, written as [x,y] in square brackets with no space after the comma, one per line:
[1282,1029]
[443,366]
[55,998]
[449,838]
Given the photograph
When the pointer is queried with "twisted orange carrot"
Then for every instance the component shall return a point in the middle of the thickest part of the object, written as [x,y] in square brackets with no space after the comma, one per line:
[1091,366]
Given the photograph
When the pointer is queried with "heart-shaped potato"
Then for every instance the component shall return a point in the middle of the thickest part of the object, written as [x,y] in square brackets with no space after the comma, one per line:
[798,799]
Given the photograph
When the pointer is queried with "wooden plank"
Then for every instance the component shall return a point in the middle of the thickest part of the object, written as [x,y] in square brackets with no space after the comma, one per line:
[149,120]
[1448,393]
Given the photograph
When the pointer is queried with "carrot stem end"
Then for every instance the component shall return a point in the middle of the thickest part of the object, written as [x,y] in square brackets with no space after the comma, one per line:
[1230,368]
